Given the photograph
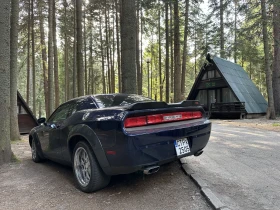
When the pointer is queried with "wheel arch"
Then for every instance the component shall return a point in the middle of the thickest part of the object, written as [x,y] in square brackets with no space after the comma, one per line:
[83,132]
[33,137]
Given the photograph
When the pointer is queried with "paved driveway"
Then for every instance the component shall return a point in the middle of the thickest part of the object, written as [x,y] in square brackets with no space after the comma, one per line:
[241,166]
[27,185]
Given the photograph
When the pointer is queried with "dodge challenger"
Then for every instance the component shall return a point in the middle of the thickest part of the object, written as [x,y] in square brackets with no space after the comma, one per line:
[109,134]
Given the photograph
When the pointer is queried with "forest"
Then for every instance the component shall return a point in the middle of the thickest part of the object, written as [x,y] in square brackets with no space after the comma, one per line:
[62,49]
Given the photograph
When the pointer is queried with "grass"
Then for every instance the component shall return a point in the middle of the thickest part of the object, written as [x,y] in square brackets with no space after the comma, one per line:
[14,159]
[275,124]
[16,141]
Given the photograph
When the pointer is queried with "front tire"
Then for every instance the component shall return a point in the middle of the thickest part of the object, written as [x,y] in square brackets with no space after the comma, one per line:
[88,173]
[34,151]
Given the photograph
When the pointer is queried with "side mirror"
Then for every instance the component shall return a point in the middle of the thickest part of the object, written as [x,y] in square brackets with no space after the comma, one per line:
[41,120]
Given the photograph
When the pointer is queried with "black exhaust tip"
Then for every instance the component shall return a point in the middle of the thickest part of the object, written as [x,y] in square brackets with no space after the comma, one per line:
[198,153]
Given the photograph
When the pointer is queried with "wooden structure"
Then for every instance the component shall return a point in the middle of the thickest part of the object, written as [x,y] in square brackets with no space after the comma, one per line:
[26,119]
[225,90]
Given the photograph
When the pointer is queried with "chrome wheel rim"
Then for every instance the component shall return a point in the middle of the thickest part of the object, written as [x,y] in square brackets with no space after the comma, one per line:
[33,150]
[82,166]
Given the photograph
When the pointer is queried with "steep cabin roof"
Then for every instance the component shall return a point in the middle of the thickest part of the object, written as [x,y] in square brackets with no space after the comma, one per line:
[238,81]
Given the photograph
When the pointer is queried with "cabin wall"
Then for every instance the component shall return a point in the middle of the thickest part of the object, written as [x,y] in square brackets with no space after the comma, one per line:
[26,120]
[25,123]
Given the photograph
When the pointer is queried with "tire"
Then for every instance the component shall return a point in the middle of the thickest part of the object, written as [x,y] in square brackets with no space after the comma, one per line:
[88,174]
[34,152]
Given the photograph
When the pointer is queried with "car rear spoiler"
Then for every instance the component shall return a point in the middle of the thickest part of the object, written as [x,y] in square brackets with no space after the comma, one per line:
[161,105]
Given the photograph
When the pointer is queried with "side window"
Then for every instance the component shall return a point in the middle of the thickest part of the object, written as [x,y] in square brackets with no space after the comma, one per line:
[60,114]
[87,103]
[72,108]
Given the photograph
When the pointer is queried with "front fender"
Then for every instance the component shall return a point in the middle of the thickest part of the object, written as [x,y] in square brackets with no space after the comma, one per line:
[34,137]
[89,135]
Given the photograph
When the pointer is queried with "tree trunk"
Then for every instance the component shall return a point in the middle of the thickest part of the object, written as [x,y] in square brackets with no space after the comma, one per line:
[5,145]
[102,54]
[56,75]
[112,55]
[90,69]
[33,60]
[14,129]
[50,59]
[141,50]
[75,54]
[138,70]
[66,67]
[107,50]
[235,31]
[80,69]
[195,51]
[271,110]
[167,53]
[222,39]
[85,50]
[118,46]
[159,59]
[276,61]
[151,75]
[28,54]
[171,49]
[44,56]
[177,56]
[128,43]
[185,51]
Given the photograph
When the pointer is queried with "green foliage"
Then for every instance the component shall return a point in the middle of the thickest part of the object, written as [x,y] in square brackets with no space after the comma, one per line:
[242,28]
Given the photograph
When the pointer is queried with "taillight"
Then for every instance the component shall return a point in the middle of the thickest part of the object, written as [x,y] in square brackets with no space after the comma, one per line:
[197,115]
[161,118]
[135,122]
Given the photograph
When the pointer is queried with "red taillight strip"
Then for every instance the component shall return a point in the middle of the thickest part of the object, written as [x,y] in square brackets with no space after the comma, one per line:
[135,121]
[160,118]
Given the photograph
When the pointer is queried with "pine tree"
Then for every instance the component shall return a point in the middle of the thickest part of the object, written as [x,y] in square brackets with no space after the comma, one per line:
[5,145]
[128,44]
[14,129]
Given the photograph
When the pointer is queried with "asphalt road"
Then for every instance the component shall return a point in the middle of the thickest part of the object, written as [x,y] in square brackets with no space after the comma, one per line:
[27,185]
[241,166]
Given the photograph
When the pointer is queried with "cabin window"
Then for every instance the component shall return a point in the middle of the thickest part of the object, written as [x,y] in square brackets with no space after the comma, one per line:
[202,97]
[212,96]
[211,74]
[218,98]
[228,95]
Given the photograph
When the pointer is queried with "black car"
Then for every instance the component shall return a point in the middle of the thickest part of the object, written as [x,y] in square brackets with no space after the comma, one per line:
[105,135]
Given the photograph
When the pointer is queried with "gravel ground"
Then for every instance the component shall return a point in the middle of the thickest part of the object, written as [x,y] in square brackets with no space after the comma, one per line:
[260,123]
[26,185]
[241,165]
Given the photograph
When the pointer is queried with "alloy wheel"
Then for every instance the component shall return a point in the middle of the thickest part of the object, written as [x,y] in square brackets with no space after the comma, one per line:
[82,166]
[33,150]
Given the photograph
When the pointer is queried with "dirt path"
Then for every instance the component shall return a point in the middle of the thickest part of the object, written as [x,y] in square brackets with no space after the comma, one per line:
[26,185]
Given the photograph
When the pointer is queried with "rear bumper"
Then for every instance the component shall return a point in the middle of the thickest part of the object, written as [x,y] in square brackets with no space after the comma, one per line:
[155,149]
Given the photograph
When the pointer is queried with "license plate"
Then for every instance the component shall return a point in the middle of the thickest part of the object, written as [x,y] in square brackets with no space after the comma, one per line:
[182,146]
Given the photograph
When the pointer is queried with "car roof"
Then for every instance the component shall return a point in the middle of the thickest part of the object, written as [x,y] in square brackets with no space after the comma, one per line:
[94,95]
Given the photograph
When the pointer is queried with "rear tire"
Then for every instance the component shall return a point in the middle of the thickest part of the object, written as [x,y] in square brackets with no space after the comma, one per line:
[34,151]
[88,174]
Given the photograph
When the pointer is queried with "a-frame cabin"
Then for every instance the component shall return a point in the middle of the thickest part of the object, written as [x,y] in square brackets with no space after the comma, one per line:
[225,90]
[26,119]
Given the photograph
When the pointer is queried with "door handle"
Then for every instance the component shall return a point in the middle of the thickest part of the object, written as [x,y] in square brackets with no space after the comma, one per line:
[53,126]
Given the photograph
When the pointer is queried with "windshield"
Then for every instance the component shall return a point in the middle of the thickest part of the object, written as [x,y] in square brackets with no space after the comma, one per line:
[104,101]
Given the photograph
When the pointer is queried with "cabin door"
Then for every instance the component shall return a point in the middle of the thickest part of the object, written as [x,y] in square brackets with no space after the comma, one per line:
[211,98]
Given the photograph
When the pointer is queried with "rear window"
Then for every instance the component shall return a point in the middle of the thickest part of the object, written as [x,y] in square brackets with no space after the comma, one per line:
[104,101]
